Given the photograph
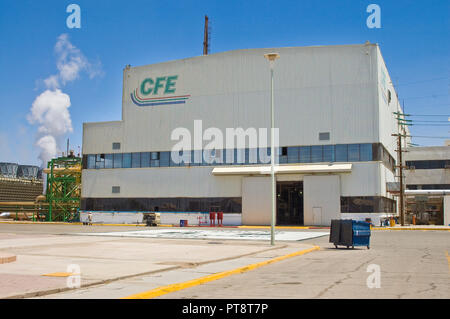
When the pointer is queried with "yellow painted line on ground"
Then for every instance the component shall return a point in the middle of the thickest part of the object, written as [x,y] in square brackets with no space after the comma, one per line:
[448,260]
[195,282]
[59,274]
[78,224]
[409,228]
[37,223]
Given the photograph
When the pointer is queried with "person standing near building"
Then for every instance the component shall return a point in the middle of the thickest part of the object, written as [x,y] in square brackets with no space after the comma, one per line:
[90,218]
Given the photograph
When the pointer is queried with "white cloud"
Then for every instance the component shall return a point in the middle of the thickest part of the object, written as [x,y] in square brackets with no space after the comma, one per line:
[52,82]
[70,62]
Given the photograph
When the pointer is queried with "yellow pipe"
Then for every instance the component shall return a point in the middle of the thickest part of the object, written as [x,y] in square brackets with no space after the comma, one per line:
[62,170]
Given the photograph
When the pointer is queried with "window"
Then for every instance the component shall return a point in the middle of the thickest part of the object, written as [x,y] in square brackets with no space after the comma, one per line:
[135,159]
[108,160]
[154,159]
[116,146]
[126,161]
[116,189]
[253,156]
[285,154]
[316,153]
[367,204]
[365,151]
[196,158]
[328,153]
[145,159]
[292,154]
[282,155]
[176,156]
[185,204]
[100,161]
[117,160]
[341,153]
[325,136]
[305,154]
[428,164]
[263,155]
[389,96]
[239,156]
[155,156]
[91,161]
[164,159]
[353,152]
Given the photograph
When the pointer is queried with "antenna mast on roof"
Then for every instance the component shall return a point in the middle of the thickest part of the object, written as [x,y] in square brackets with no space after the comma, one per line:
[206,37]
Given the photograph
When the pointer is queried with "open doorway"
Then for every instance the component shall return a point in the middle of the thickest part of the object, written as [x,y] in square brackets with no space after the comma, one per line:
[289,203]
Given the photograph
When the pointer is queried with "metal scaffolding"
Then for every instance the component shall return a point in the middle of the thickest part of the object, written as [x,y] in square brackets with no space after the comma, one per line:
[63,192]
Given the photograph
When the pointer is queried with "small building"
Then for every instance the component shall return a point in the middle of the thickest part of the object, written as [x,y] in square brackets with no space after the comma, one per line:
[428,184]
[334,110]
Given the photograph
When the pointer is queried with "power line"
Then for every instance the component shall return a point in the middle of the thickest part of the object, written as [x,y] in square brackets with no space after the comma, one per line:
[424,97]
[446,137]
[422,81]
[414,121]
[427,124]
[446,115]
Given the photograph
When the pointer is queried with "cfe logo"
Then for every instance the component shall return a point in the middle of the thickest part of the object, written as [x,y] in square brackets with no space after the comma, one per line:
[163,85]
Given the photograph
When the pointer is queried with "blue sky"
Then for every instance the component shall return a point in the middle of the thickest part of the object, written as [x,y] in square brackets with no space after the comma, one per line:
[414,39]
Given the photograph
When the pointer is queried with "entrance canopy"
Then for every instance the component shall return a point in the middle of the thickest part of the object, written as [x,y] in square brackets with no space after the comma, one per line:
[283,169]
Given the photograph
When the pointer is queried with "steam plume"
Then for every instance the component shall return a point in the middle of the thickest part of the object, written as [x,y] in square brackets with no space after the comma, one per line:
[50,109]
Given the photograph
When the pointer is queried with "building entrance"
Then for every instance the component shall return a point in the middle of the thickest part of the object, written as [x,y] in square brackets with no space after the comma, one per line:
[289,203]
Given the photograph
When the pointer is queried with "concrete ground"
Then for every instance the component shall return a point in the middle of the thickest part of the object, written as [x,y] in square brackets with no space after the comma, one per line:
[46,255]
[413,264]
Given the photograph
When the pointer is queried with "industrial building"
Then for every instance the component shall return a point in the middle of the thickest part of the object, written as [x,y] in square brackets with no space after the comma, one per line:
[334,109]
[19,182]
[25,196]
[428,184]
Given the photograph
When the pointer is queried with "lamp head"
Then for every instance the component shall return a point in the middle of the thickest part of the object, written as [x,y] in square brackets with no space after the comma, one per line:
[271,56]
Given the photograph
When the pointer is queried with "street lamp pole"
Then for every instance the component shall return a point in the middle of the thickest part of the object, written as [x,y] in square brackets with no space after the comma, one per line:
[271,57]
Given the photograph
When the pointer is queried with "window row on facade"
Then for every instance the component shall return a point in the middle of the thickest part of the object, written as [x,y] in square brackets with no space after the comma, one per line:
[428,186]
[286,154]
[367,204]
[428,164]
[179,204]
[353,204]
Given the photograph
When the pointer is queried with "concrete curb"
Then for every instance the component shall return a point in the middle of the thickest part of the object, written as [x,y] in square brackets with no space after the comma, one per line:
[107,281]
[408,228]
[195,282]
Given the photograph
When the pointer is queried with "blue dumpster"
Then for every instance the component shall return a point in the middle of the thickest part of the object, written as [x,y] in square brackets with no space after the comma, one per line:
[361,233]
[347,232]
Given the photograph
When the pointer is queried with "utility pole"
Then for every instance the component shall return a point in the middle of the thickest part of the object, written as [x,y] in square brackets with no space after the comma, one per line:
[401,133]
[206,37]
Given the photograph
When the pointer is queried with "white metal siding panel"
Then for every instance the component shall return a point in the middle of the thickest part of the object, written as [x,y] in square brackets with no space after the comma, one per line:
[364,180]
[427,176]
[322,194]
[317,89]
[98,137]
[427,153]
[387,120]
[256,201]
[159,182]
